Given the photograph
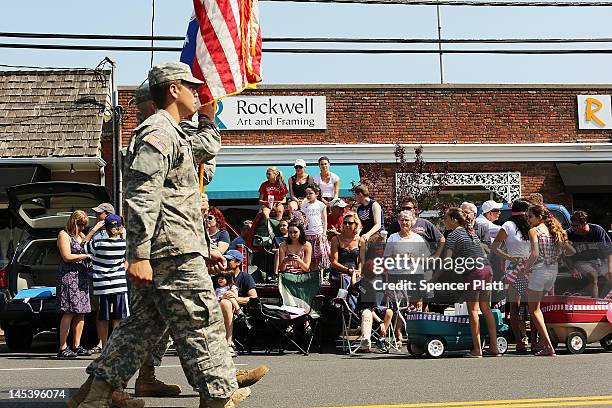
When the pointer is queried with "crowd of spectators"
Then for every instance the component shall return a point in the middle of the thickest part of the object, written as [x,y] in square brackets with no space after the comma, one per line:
[317,230]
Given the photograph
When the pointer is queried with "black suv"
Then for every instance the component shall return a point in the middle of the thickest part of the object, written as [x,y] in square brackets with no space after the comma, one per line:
[42,210]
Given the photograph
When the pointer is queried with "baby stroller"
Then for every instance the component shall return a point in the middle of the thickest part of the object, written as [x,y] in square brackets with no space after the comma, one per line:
[263,242]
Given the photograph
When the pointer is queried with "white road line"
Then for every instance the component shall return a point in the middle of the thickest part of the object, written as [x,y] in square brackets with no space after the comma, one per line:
[79,368]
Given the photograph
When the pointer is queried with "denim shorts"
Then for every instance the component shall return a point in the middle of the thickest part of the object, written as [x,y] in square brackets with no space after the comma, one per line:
[542,278]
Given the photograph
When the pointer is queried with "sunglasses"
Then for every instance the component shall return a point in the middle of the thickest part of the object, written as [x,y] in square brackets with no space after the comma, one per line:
[298,167]
[294,232]
[81,224]
[495,210]
[348,223]
[210,218]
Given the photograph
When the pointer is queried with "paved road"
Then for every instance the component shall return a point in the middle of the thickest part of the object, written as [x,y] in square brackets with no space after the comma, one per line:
[333,380]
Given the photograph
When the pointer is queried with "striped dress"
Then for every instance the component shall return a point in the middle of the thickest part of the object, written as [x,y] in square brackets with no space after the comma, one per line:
[108,265]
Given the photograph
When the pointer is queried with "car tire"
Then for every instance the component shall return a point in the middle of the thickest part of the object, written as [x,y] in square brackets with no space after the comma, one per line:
[415,350]
[606,342]
[576,342]
[18,338]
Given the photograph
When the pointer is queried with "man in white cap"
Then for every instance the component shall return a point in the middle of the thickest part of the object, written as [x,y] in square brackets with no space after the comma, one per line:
[334,221]
[491,211]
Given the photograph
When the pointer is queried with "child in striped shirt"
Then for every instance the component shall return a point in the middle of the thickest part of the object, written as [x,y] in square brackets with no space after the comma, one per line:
[109,277]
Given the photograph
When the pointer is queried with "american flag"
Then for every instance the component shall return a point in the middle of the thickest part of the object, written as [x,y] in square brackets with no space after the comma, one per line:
[223,46]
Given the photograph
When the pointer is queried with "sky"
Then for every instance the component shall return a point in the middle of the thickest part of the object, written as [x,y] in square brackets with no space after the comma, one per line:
[286,19]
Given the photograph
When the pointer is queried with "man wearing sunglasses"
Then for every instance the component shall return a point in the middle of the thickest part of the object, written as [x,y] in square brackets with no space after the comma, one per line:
[168,252]
[490,213]
[593,251]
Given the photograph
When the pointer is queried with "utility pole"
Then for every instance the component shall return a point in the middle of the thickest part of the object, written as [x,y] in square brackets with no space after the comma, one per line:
[440,44]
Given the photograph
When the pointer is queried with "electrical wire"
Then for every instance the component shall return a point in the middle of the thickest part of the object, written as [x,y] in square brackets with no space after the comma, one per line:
[152,30]
[318,50]
[461,3]
[320,39]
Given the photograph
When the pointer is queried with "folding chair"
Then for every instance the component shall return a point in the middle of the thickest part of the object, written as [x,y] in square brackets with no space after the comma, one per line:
[300,291]
[350,339]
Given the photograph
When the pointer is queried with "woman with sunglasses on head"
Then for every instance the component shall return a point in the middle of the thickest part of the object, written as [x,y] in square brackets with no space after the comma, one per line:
[298,183]
[272,193]
[345,259]
[548,243]
[328,182]
[295,253]
[73,285]
[316,228]
[215,225]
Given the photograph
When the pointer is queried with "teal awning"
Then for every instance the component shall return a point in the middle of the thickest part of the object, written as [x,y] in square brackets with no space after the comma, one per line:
[240,182]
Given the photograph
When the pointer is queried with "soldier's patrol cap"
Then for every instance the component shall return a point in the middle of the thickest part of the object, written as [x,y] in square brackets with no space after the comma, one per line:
[143,93]
[171,71]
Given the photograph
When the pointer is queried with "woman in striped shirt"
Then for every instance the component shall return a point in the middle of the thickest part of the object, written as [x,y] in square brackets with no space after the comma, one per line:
[109,277]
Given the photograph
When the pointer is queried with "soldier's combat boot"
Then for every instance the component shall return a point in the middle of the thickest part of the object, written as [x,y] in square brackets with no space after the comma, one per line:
[246,378]
[122,399]
[99,395]
[149,386]
[237,397]
[76,399]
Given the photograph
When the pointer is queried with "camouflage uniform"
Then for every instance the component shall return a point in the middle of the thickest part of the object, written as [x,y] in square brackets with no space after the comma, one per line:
[207,136]
[165,225]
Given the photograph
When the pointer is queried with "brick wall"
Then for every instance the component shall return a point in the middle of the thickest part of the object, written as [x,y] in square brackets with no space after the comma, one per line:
[543,178]
[452,114]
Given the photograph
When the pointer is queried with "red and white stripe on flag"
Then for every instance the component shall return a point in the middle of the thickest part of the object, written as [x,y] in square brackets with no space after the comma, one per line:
[227,47]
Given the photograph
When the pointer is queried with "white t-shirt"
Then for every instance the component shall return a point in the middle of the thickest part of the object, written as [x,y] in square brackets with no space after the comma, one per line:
[327,189]
[313,213]
[515,245]
[415,247]
[493,228]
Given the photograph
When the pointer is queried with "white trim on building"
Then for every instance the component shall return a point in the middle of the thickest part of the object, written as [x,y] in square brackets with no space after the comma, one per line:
[432,152]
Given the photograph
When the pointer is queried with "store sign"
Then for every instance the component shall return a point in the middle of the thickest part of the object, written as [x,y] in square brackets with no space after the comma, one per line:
[271,112]
[594,112]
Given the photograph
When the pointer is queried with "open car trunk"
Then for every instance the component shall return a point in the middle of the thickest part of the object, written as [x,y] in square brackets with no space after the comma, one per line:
[44,208]
[37,265]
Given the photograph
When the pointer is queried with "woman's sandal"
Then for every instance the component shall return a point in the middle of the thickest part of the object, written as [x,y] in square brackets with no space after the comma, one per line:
[470,355]
[489,353]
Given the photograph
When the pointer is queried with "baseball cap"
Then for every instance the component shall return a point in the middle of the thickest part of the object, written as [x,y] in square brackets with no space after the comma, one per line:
[104,207]
[299,162]
[171,71]
[338,202]
[490,205]
[143,93]
[233,254]
[113,220]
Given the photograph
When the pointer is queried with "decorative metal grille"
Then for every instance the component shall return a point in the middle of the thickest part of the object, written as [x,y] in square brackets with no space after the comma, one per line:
[506,185]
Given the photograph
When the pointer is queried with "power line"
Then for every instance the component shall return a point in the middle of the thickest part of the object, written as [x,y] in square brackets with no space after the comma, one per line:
[320,39]
[314,50]
[462,3]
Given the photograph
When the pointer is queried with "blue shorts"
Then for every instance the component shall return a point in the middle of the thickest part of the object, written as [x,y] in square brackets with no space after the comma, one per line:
[113,306]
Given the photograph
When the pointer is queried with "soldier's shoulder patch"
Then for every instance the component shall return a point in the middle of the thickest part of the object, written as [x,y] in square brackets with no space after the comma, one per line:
[156,142]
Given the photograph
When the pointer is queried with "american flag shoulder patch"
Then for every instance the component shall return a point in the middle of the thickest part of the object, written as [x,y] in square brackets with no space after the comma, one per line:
[156,143]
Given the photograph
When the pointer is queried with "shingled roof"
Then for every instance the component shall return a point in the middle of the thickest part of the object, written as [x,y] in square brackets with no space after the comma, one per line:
[52,113]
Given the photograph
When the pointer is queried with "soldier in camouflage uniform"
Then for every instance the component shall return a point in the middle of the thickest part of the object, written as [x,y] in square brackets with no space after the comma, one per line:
[167,253]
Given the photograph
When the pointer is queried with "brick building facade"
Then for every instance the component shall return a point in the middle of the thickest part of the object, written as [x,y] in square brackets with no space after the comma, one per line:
[529,129]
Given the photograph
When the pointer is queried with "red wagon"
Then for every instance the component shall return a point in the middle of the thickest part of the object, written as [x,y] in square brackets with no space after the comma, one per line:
[578,321]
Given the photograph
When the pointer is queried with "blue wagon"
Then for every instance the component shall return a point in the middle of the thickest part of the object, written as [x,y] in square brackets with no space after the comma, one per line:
[433,333]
